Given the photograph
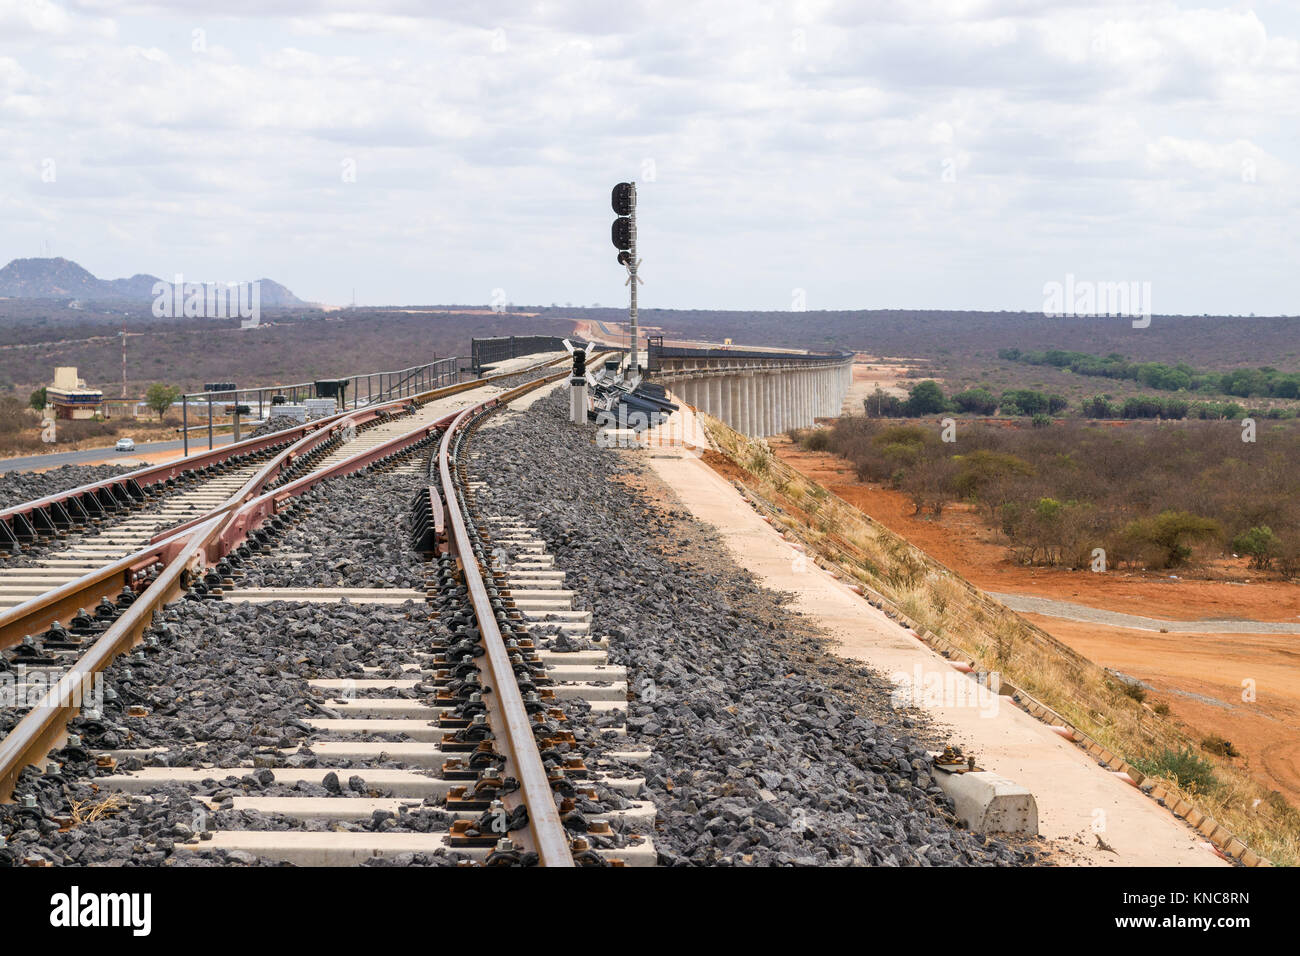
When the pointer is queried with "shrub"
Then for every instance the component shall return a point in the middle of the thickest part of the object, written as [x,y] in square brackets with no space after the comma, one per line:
[1217,745]
[977,401]
[1260,544]
[899,435]
[14,416]
[1024,401]
[1098,407]
[817,439]
[1189,771]
[982,467]
[1167,535]
[1134,690]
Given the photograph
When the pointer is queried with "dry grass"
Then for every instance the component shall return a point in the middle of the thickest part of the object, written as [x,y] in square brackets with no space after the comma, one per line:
[939,601]
[88,811]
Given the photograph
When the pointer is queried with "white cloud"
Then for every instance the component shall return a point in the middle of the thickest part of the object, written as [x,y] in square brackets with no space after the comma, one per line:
[940,152]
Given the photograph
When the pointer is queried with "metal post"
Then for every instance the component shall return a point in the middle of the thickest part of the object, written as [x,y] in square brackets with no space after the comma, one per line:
[632,281]
[185,425]
[209,421]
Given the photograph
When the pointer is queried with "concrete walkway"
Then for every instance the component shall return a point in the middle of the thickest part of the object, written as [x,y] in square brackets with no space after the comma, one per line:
[1076,797]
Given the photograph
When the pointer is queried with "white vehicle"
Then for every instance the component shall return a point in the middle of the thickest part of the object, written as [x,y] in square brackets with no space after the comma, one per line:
[125,444]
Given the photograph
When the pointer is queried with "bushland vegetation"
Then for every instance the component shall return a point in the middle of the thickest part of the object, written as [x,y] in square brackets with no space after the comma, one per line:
[289,346]
[942,606]
[927,398]
[20,431]
[1152,496]
[1265,381]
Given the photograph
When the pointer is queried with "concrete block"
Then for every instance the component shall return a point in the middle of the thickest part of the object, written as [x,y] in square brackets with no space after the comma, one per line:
[297,412]
[989,803]
[618,438]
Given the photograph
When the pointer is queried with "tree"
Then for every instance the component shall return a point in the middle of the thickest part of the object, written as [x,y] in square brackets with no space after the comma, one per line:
[159,397]
[979,401]
[982,467]
[37,399]
[1260,544]
[926,398]
[1168,533]
[1098,407]
[1023,401]
[880,405]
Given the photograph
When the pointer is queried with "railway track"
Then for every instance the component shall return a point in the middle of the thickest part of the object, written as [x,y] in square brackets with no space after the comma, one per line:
[463,740]
[69,556]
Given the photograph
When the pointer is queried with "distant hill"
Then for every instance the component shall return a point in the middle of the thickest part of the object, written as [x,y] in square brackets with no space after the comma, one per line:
[62,278]
[49,279]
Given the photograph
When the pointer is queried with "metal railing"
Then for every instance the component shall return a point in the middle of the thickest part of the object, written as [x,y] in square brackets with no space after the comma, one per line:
[347,392]
[485,352]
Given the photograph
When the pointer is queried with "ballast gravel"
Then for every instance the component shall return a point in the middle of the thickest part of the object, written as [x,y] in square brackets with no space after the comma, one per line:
[276,423]
[224,686]
[352,536]
[17,487]
[766,748]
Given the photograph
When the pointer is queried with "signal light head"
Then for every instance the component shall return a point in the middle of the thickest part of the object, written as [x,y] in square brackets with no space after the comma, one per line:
[621,233]
[622,199]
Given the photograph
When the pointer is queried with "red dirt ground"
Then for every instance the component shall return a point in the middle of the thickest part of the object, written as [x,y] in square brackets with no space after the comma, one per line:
[1200,676]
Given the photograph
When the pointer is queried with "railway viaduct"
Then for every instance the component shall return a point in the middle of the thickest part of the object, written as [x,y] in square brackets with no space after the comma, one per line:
[756,392]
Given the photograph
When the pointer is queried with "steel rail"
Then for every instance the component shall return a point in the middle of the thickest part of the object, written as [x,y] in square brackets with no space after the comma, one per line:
[515,736]
[188,549]
[550,840]
[18,518]
[191,549]
[44,726]
[60,603]
[155,474]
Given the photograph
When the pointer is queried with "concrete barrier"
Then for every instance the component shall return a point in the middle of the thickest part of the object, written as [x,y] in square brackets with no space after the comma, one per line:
[988,803]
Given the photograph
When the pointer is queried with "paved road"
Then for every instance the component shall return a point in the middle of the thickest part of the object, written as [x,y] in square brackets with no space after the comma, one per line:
[41,462]
[1068,611]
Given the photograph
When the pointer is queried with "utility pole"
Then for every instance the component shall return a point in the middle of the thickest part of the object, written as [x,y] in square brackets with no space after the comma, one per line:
[124,358]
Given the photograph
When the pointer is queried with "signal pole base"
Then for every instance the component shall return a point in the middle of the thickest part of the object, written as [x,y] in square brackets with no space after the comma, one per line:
[578,401]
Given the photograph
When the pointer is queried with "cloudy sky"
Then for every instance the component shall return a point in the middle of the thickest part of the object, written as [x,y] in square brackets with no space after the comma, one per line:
[927,153]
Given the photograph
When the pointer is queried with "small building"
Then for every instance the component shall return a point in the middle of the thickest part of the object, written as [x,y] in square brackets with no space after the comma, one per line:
[70,397]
